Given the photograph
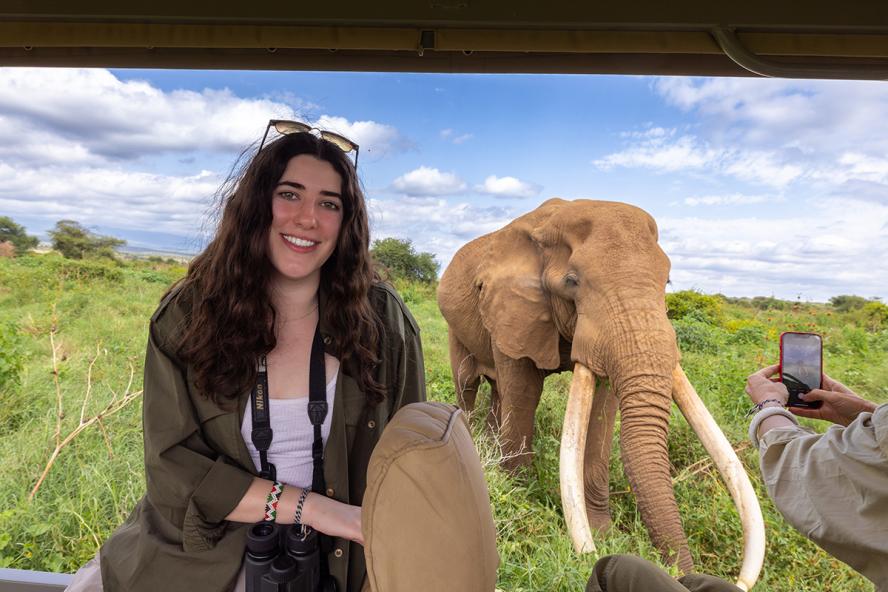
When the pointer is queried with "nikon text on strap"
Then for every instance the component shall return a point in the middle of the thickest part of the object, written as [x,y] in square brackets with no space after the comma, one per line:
[317,411]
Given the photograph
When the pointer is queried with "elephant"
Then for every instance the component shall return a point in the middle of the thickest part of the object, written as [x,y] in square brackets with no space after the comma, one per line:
[581,285]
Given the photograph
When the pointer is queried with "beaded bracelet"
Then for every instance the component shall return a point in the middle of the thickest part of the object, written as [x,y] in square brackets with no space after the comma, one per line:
[297,519]
[758,406]
[271,502]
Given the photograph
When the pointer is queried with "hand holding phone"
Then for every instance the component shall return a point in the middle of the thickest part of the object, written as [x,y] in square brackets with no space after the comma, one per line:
[801,366]
[840,404]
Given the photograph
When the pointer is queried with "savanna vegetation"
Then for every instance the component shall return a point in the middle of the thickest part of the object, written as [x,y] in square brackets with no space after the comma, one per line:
[72,337]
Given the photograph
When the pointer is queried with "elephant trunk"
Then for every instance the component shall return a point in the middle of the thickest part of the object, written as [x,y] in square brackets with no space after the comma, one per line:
[645,404]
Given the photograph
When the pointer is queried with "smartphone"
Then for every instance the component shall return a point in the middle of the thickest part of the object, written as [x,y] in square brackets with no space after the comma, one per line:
[801,366]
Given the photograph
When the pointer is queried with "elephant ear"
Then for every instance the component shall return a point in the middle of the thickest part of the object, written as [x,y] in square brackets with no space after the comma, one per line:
[515,309]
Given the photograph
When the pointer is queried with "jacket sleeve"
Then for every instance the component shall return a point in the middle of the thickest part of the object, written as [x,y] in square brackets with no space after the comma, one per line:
[411,384]
[833,488]
[189,483]
[405,365]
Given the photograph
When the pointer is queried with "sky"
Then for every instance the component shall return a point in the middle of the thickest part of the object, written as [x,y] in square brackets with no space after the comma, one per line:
[760,187]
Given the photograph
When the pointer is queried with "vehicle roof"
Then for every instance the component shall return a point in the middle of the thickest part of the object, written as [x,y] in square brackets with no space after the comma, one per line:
[817,38]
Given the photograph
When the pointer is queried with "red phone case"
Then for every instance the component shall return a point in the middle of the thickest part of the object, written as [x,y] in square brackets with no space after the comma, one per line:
[794,401]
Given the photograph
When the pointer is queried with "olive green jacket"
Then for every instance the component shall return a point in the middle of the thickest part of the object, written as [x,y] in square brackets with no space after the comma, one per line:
[197,466]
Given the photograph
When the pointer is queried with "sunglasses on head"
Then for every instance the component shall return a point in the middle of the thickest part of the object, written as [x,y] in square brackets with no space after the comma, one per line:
[286,127]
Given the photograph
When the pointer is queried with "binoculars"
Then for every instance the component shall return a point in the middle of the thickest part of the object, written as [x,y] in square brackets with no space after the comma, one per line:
[284,560]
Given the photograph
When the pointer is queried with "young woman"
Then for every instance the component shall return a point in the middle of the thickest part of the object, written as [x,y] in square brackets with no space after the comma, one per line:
[290,256]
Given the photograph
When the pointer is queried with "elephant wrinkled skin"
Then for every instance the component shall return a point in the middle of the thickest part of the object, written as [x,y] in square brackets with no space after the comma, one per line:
[574,282]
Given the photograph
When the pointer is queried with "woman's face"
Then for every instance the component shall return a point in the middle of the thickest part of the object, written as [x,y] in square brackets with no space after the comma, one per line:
[306,207]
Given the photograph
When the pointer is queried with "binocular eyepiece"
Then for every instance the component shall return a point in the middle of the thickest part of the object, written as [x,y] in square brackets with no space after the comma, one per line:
[283,559]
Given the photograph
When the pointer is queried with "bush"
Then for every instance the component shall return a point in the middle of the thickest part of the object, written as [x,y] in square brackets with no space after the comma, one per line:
[401,261]
[76,242]
[694,335]
[748,334]
[11,356]
[875,315]
[694,305]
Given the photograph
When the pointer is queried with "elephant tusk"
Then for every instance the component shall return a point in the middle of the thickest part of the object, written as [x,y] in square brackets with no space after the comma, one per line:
[571,464]
[732,472]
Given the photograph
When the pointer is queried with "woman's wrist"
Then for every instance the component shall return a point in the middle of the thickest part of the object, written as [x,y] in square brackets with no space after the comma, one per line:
[312,508]
[767,419]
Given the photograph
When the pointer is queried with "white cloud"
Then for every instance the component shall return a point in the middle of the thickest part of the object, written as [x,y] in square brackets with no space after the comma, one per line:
[111,119]
[109,197]
[655,153]
[376,139]
[812,255]
[689,153]
[91,116]
[818,129]
[451,136]
[725,200]
[434,225]
[508,187]
[427,181]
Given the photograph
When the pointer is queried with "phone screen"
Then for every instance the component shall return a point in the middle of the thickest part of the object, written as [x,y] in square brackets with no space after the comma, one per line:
[801,363]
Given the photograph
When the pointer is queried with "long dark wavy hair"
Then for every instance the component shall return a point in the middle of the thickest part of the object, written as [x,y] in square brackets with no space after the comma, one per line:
[231,320]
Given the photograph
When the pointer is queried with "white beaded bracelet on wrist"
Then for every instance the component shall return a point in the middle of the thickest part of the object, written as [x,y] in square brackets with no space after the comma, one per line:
[762,416]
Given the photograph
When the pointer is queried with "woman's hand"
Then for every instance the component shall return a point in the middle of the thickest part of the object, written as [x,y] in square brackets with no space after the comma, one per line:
[760,387]
[333,518]
[840,404]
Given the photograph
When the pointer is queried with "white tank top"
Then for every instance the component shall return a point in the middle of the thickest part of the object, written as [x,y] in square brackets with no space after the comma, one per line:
[290,450]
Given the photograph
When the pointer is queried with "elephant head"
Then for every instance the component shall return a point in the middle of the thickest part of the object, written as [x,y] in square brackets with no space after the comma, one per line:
[581,285]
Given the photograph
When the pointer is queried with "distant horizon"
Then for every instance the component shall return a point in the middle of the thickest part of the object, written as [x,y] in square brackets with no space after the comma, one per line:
[758,186]
[128,249]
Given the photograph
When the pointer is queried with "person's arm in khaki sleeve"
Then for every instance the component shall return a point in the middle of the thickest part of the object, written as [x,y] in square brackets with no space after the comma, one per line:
[833,487]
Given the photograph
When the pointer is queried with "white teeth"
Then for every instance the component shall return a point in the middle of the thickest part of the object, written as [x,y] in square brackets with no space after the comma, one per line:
[299,242]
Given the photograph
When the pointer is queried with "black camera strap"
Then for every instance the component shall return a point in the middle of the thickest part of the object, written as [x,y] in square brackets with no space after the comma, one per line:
[317,411]
[262,433]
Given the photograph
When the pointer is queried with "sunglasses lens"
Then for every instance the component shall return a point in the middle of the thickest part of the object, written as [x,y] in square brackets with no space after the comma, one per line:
[290,127]
[343,143]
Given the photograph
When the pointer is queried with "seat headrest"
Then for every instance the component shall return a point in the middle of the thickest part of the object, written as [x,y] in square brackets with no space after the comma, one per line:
[426,517]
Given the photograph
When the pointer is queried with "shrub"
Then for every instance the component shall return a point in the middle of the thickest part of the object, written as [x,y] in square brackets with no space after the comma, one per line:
[875,315]
[7,249]
[852,340]
[694,305]
[748,335]
[694,335]
[401,260]
[11,356]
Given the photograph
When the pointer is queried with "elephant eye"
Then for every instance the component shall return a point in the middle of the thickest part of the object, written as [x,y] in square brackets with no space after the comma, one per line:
[571,280]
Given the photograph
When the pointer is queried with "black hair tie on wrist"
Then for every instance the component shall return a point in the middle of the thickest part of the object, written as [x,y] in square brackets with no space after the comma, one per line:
[758,406]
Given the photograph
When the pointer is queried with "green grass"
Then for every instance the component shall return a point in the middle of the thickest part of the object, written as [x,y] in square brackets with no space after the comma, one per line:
[100,311]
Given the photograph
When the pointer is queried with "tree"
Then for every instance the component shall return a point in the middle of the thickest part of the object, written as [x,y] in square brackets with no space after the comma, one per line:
[847,302]
[15,234]
[401,260]
[76,242]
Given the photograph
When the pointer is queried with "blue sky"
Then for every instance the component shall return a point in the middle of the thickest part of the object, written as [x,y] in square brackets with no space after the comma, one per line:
[759,187]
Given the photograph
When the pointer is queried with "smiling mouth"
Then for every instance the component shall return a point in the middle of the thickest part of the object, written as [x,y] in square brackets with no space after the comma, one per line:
[299,242]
